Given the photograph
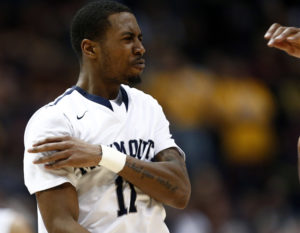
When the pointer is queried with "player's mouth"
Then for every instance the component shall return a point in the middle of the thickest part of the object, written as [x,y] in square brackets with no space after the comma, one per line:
[139,63]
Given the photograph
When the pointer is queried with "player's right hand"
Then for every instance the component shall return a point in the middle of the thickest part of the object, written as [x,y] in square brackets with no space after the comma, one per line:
[68,152]
[284,38]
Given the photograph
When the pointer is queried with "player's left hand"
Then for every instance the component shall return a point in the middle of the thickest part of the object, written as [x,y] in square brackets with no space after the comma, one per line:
[284,38]
[68,152]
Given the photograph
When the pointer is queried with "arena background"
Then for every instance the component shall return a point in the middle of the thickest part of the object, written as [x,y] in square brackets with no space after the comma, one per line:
[233,103]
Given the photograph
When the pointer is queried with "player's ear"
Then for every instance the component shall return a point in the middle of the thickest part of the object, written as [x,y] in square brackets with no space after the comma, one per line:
[89,48]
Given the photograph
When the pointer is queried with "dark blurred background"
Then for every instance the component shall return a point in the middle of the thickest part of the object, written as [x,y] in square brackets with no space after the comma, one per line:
[233,103]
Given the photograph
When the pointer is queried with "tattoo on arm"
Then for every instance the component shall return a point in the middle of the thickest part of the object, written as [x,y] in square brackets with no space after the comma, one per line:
[140,170]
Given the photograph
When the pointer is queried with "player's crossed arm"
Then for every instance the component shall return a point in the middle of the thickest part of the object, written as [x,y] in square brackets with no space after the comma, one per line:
[165,180]
[284,38]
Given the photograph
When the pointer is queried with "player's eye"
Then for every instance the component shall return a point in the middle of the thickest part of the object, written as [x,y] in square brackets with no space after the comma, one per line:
[128,38]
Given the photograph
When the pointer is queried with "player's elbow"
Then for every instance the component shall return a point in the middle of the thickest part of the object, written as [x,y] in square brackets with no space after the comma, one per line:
[59,225]
[185,198]
[183,191]
[182,196]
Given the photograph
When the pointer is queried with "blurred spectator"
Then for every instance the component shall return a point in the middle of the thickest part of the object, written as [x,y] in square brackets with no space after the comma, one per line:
[244,112]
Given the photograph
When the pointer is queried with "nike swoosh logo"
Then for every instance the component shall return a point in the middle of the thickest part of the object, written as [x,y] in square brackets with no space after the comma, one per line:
[80,117]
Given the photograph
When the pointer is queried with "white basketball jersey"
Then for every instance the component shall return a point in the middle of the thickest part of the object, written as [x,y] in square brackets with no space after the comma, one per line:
[135,126]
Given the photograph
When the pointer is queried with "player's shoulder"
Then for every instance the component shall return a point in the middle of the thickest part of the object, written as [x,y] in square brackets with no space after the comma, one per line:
[137,95]
[45,116]
[51,110]
[53,113]
[45,112]
[63,100]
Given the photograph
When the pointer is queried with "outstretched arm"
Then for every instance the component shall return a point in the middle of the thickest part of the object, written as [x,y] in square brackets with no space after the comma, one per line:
[59,209]
[166,179]
[284,38]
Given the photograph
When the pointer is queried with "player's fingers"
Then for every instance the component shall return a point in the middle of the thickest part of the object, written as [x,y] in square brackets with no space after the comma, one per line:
[284,46]
[271,30]
[52,139]
[278,31]
[290,31]
[63,155]
[295,37]
[56,146]
[275,34]
[58,164]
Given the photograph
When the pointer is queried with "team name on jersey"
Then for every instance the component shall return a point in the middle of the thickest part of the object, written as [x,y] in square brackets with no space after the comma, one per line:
[136,148]
[140,148]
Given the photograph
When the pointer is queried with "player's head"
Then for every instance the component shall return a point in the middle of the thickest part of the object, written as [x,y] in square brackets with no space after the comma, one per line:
[91,22]
[107,34]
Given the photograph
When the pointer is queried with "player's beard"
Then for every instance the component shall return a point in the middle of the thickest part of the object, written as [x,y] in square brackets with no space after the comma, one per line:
[134,80]
[131,80]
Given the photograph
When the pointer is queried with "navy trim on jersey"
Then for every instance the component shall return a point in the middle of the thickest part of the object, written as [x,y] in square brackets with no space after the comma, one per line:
[124,97]
[94,98]
[101,100]
[66,93]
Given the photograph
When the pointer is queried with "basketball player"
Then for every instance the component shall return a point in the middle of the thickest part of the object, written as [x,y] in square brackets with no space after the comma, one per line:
[104,159]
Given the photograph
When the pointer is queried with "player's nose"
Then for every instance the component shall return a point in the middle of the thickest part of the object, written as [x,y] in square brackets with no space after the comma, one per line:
[139,49]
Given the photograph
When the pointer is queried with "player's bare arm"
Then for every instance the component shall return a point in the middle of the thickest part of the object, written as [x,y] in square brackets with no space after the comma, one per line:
[284,38]
[59,209]
[166,179]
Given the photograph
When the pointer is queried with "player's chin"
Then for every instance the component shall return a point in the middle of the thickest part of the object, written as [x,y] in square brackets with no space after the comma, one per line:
[133,80]
[137,70]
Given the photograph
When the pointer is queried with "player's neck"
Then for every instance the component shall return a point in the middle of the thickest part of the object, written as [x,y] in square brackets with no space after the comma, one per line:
[96,85]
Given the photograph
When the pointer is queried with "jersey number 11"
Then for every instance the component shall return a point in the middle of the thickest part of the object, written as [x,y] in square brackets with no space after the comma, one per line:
[122,208]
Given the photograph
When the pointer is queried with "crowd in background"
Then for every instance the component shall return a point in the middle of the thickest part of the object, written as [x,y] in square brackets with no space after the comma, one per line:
[233,103]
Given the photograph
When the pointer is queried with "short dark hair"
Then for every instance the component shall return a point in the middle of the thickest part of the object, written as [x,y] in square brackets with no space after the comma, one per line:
[91,21]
